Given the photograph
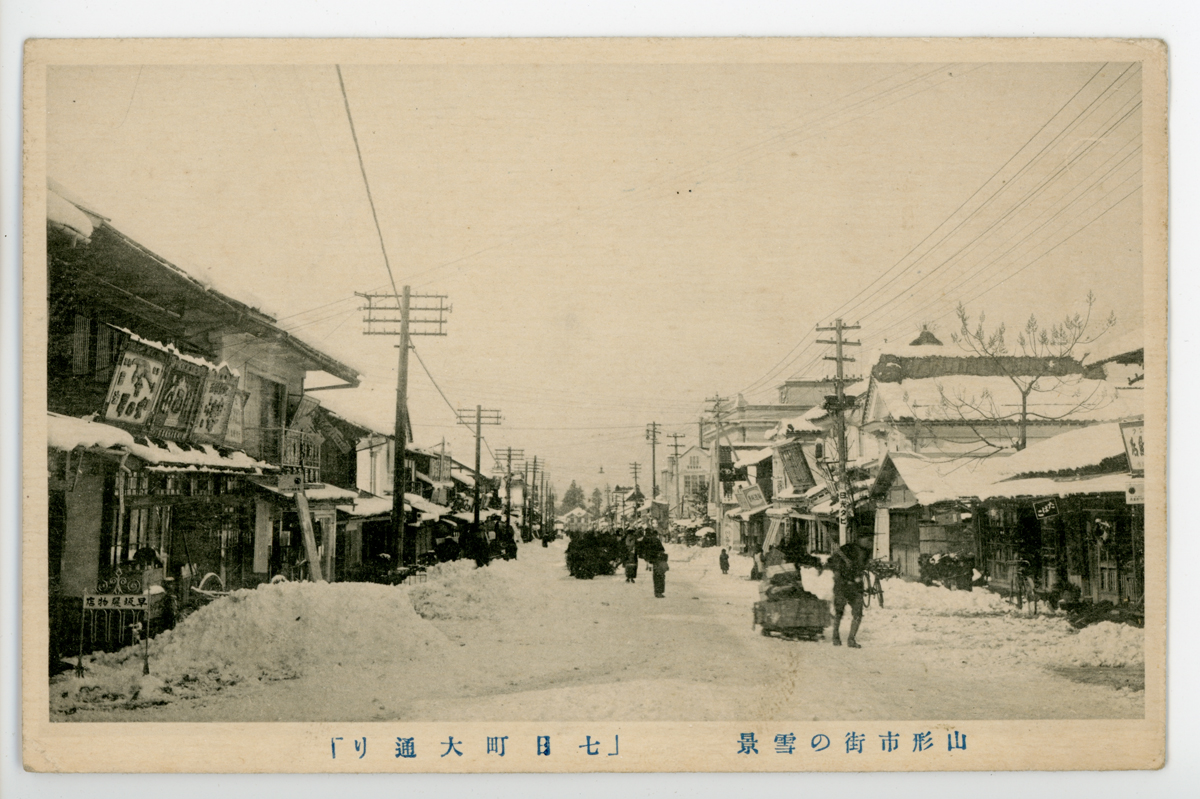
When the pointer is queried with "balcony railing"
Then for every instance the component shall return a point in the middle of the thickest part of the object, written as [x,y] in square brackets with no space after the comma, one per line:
[292,450]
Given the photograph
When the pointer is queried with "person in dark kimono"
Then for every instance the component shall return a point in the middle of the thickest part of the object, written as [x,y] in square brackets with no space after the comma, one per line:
[724,561]
[631,558]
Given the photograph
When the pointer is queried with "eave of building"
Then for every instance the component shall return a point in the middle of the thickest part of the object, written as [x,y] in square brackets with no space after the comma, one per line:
[117,270]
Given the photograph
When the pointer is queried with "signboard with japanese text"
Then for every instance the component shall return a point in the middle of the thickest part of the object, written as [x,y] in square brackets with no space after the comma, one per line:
[136,384]
[751,498]
[1133,433]
[795,465]
[1045,508]
[216,402]
[179,400]
[234,422]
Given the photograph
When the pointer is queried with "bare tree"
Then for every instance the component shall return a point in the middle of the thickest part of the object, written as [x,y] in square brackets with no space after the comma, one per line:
[1044,361]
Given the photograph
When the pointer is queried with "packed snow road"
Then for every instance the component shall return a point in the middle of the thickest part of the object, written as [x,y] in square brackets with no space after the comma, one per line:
[521,640]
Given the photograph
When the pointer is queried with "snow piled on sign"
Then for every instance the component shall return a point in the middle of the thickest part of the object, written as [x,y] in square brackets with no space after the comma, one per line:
[273,632]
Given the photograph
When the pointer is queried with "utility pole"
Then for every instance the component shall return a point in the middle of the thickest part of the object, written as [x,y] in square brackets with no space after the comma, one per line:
[531,500]
[838,405]
[482,417]
[652,431]
[634,468]
[508,453]
[381,321]
[675,446]
[716,400]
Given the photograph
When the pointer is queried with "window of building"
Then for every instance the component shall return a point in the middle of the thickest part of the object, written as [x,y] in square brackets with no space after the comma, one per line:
[694,462]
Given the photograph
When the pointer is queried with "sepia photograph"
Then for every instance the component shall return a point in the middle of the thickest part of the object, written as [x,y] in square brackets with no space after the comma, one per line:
[506,405]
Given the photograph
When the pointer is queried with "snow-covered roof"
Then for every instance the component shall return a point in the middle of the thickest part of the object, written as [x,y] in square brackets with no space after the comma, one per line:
[466,479]
[1045,487]
[933,480]
[65,214]
[804,423]
[744,459]
[1110,346]
[1074,449]
[171,349]
[67,433]
[368,506]
[328,492]
[1070,399]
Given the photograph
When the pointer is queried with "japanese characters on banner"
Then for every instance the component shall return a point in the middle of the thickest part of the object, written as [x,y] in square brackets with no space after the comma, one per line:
[216,402]
[179,400]
[1133,432]
[795,465]
[136,384]
[156,392]
[234,424]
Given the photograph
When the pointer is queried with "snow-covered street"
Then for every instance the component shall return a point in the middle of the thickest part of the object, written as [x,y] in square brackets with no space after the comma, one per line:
[521,640]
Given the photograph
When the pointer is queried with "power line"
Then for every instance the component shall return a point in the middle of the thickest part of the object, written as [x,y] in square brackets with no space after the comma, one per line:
[801,347]
[366,183]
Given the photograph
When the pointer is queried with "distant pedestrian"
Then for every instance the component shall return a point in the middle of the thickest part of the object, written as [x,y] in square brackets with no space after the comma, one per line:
[724,561]
[652,551]
[631,558]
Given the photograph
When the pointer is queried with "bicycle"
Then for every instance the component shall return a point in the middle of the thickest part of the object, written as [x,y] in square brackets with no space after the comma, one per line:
[1020,585]
[871,587]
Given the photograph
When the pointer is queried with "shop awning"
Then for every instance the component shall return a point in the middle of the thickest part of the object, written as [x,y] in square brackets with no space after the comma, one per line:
[68,433]
[774,534]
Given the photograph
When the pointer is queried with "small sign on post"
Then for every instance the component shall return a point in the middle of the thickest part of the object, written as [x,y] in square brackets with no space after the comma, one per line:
[1132,431]
[1045,508]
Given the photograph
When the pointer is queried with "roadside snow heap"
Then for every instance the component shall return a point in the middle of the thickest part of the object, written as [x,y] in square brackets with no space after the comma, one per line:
[457,590]
[1103,644]
[273,632]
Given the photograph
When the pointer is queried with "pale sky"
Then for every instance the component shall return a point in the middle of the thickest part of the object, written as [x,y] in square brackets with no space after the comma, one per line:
[618,242]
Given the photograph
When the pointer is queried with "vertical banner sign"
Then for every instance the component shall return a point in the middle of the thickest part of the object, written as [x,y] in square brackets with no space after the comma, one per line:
[216,401]
[795,465]
[179,400]
[136,384]
[234,422]
[1135,446]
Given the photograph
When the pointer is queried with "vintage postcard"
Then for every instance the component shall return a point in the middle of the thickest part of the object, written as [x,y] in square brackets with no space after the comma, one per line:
[594,405]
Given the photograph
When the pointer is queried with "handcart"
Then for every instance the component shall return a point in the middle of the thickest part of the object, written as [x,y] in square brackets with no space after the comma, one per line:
[796,619]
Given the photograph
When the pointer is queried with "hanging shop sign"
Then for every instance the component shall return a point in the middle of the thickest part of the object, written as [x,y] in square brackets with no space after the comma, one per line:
[1135,446]
[751,499]
[179,400]
[1045,508]
[234,424]
[136,385]
[216,403]
[1135,494]
[795,465]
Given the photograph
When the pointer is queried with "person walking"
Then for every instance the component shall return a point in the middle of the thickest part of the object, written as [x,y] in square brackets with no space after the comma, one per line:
[631,558]
[659,570]
[652,551]
[848,565]
[724,561]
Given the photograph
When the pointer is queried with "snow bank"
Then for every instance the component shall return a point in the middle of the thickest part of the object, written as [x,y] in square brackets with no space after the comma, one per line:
[1103,644]
[459,591]
[273,632]
[937,601]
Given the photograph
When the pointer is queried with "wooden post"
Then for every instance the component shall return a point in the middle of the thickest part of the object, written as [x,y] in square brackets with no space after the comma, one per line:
[310,540]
